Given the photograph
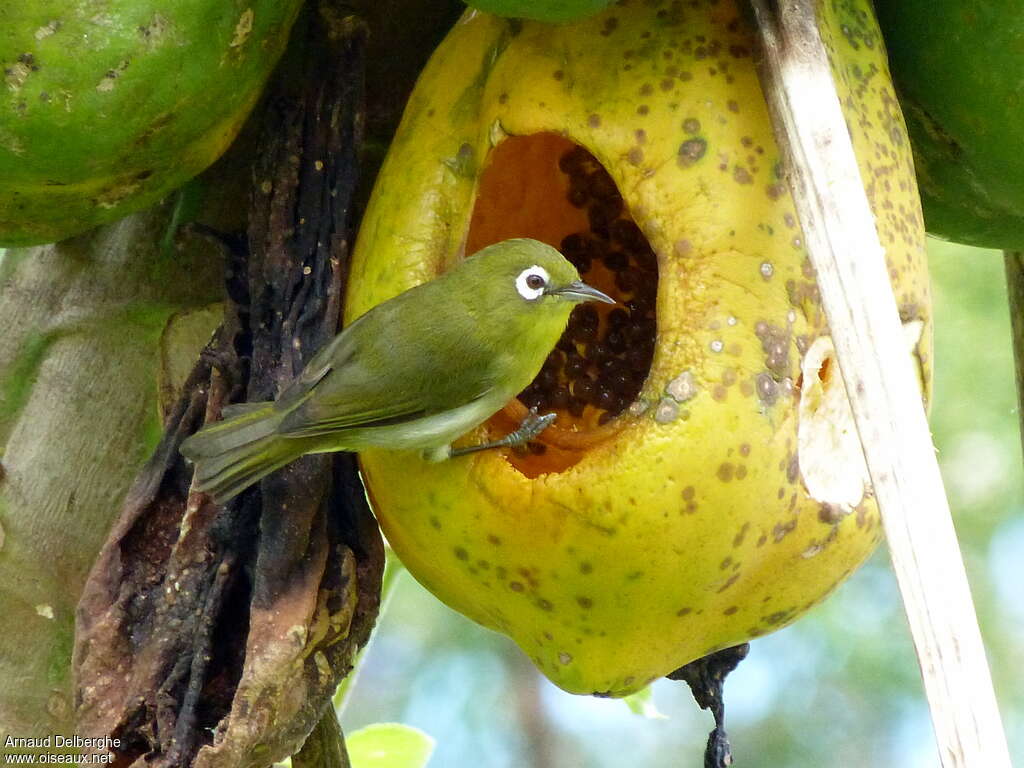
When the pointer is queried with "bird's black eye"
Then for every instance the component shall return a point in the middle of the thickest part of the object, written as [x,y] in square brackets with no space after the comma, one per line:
[531,282]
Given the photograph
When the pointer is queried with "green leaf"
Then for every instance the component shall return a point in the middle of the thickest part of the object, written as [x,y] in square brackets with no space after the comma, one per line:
[551,11]
[389,745]
[642,703]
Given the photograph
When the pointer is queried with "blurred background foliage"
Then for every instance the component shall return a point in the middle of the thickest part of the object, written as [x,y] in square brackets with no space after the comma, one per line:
[838,688]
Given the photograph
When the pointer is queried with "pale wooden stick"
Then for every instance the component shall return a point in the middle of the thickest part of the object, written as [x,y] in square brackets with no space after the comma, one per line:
[839,230]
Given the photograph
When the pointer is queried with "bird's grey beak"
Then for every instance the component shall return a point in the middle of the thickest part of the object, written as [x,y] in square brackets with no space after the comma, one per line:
[582,292]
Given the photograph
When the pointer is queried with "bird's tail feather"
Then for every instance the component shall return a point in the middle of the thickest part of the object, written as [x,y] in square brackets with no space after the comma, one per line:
[233,454]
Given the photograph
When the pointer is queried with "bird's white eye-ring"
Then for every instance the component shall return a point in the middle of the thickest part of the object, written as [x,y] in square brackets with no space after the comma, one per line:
[532,282]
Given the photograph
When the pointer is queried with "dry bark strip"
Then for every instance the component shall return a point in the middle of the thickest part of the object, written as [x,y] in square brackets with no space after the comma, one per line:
[214,636]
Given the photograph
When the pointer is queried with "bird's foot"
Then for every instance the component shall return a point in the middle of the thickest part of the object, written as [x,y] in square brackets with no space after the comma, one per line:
[529,428]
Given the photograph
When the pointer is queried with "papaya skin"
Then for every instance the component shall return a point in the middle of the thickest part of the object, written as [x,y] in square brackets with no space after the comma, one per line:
[108,107]
[687,527]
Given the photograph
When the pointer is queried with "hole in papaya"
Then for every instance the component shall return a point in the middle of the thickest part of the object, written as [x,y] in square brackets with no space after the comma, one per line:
[825,371]
[549,188]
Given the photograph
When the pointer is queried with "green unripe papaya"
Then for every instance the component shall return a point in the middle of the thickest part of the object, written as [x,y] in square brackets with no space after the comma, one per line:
[959,72]
[108,106]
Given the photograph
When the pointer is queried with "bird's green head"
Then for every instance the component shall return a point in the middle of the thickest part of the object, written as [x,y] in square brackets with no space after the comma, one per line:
[528,275]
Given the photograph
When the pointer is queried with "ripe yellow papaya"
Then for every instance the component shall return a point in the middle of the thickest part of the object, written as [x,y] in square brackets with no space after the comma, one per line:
[703,483]
[109,106]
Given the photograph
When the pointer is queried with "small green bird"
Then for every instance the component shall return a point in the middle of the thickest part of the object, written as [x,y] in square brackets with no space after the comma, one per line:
[413,373]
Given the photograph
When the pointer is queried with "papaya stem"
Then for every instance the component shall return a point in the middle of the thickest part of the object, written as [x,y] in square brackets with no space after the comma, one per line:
[706,678]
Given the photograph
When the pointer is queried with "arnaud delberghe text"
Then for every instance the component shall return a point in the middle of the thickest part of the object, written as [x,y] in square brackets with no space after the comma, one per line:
[56,741]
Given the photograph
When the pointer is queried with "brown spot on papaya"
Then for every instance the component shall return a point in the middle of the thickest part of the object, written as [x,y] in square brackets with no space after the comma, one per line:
[730,610]
[830,514]
[778,617]
[729,582]
[725,471]
[691,150]
[781,530]
[793,468]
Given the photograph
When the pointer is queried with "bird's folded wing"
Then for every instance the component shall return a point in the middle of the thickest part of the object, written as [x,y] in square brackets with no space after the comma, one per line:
[311,419]
[399,362]
[361,394]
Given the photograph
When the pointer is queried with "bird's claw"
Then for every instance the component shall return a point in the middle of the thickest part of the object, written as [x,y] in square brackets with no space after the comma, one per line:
[529,428]
[534,424]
